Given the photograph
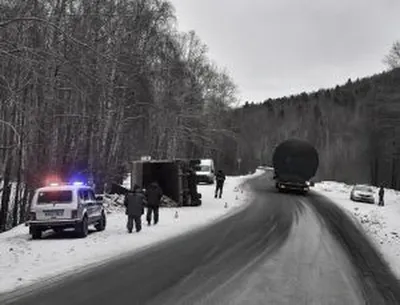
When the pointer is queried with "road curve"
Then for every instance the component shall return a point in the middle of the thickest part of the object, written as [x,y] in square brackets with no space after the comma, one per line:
[282,249]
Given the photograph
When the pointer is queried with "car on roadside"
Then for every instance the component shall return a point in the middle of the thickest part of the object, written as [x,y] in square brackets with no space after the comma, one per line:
[363,193]
[205,171]
[65,206]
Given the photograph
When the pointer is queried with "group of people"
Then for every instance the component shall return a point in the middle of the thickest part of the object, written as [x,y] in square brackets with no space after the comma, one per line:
[135,202]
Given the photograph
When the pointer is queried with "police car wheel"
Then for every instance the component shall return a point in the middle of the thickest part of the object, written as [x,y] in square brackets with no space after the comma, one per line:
[101,225]
[83,228]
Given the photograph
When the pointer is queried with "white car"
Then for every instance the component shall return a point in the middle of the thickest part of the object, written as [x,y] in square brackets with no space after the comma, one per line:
[362,193]
[59,207]
[205,171]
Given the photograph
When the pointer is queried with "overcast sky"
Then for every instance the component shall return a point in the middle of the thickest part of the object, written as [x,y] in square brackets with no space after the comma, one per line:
[274,48]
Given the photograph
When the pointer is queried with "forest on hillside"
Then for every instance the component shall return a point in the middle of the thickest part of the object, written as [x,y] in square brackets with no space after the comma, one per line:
[87,86]
[355,127]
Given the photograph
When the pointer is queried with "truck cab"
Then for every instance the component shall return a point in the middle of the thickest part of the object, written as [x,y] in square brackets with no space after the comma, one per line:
[283,184]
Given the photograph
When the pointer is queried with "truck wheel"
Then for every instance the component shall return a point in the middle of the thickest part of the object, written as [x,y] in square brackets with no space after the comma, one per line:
[83,228]
[58,230]
[101,225]
[36,233]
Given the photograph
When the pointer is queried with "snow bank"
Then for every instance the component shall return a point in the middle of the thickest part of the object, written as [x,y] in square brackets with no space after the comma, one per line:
[24,261]
[380,223]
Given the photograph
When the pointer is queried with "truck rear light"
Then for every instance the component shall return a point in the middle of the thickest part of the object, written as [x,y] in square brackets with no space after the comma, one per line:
[32,216]
[74,214]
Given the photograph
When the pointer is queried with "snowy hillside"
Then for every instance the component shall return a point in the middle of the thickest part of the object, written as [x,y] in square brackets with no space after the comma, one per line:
[381,224]
[24,261]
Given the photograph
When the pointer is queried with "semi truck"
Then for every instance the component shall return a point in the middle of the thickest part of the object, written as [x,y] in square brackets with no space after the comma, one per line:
[295,163]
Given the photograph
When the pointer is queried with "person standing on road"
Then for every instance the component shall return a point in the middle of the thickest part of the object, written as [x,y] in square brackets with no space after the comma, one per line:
[153,194]
[381,196]
[134,202]
[220,179]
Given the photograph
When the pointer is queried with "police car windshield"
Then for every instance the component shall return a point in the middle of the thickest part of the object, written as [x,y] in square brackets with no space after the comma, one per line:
[55,197]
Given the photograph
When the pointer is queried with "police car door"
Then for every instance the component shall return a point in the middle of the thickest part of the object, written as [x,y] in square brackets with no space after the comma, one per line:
[96,206]
[85,202]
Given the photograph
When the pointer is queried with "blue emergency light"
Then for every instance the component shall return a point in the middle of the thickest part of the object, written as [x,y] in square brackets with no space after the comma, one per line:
[76,180]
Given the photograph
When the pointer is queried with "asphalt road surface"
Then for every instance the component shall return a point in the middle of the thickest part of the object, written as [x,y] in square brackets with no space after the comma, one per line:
[282,249]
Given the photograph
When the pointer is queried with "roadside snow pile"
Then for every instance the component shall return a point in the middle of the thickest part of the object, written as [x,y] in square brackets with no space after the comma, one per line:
[333,186]
[380,223]
[24,261]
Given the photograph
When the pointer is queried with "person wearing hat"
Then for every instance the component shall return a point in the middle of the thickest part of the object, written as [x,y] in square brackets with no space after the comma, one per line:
[134,202]
[154,194]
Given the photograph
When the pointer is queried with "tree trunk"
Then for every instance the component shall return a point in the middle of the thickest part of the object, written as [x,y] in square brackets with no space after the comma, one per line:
[5,198]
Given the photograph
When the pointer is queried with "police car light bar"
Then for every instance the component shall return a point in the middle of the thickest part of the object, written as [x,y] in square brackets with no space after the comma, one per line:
[59,184]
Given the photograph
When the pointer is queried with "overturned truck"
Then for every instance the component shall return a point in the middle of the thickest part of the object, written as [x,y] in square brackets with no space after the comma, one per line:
[176,178]
[295,163]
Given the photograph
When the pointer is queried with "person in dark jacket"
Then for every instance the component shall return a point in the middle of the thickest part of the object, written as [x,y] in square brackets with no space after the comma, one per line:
[134,202]
[153,194]
[220,179]
[381,195]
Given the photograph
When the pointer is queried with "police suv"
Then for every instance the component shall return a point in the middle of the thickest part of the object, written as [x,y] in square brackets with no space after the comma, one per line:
[62,206]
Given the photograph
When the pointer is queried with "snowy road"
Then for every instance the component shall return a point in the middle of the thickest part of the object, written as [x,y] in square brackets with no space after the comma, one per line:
[283,249]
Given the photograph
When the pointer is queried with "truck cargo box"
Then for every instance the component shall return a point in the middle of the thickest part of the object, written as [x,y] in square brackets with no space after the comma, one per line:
[171,175]
[295,163]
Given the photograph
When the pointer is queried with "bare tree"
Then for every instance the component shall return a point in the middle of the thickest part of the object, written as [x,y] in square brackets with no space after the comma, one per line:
[89,86]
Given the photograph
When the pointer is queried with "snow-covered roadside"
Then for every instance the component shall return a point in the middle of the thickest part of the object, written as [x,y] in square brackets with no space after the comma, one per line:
[380,223]
[24,261]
